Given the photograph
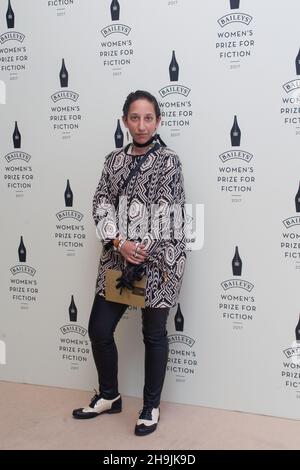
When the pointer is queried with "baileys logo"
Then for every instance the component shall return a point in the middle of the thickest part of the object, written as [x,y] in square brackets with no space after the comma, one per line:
[294,220]
[22,268]
[237,265]
[235,139]
[174,77]
[17,155]
[119,28]
[293,84]
[68,213]
[64,83]
[294,351]
[234,17]
[10,22]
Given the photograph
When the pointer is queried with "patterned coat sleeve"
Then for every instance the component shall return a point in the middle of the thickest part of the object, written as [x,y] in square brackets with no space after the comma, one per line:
[103,209]
[167,218]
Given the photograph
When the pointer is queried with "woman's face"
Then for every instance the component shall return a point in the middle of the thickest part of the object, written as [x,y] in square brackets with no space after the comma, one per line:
[141,120]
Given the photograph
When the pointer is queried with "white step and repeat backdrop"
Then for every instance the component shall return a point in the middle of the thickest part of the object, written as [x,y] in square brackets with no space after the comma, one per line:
[226,74]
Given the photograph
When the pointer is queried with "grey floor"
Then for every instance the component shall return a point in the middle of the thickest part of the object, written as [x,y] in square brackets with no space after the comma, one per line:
[36,417]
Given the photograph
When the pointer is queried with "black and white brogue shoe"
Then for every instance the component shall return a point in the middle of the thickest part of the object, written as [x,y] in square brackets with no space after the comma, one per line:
[98,406]
[147,421]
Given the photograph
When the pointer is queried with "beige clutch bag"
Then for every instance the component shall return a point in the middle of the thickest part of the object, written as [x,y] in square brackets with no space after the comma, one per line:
[135,297]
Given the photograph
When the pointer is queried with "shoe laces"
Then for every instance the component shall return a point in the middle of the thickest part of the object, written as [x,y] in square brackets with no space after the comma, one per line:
[95,398]
[146,413]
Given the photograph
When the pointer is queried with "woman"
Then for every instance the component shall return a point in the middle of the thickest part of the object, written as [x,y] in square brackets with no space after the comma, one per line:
[147,176]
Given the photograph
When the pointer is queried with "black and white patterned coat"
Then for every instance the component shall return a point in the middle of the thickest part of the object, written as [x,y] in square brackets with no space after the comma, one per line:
[157,189]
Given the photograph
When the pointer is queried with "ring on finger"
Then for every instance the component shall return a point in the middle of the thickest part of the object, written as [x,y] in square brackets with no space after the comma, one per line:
[136,250]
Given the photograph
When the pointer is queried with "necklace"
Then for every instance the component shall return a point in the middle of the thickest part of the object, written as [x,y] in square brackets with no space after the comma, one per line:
[146,144]
[146,149]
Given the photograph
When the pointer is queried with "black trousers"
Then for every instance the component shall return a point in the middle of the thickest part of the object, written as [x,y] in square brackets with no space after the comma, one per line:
[104,318]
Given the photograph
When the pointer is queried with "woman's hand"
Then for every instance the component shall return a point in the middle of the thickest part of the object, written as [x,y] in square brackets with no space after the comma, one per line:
[133,252]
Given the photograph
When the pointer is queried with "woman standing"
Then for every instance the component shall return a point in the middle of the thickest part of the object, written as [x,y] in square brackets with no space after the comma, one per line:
[148,177]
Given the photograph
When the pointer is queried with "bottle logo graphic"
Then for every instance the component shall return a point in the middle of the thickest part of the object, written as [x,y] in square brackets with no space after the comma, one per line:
[10,16]
[174,68]
[69,214]
[115,28]
[235,134]
[63,75]
[115,10]
[298,63]
[16,137]
[119,136]
[179,319]
[234,4]
[292,85]
[236,263]
[64,94]
[72,310]
[297,199]
[23,269]
[68,195]
[22,251]
[293,353]
[175,89]
[297,331]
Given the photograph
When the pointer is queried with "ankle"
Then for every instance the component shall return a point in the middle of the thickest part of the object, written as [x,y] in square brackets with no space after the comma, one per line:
[109,396]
